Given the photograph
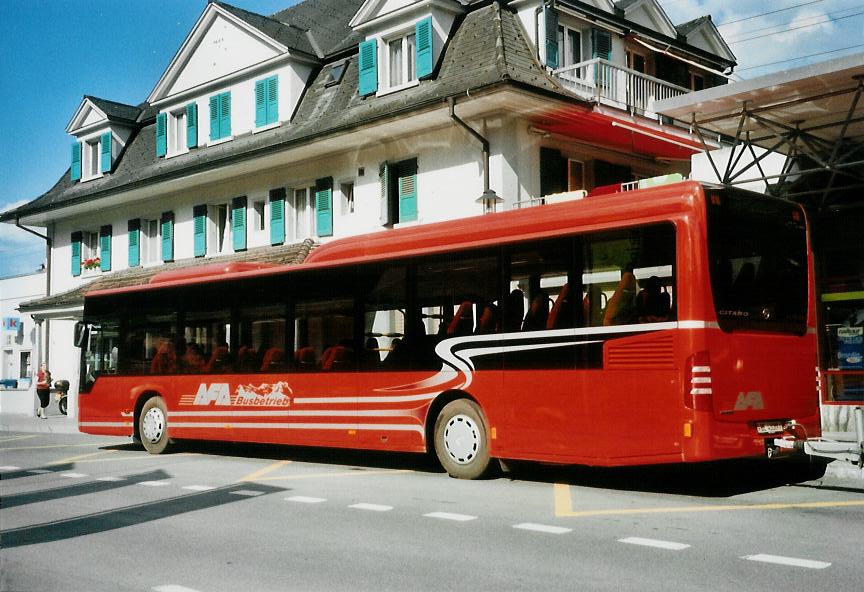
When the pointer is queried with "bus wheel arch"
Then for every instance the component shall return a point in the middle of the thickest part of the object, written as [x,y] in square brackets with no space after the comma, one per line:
[151,423]
[458,433]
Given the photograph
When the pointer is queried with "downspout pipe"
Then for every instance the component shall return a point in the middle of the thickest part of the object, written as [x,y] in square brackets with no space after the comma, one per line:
[48,245]
[488,194]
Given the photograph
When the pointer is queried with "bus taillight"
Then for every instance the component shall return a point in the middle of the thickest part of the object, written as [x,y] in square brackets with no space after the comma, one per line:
[697,386]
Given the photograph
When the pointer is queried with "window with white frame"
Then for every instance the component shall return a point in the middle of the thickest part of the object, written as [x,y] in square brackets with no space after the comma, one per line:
[347,190]
[90,157]
[298,214]
[569,47]
[401,60]
[220,229]
[177,132]
[258,218]
[150,242]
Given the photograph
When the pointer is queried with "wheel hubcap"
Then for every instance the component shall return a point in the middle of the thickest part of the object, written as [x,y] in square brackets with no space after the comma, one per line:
[462,439]
[153,425]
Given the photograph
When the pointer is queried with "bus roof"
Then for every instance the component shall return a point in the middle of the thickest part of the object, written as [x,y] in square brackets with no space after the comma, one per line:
[485,230]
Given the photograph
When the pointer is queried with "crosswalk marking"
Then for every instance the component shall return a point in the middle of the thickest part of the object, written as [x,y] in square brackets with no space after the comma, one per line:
[371,507]
[792,561]
[73,475]
[198,487]
[450,516]
[154,483]
[302,499]
[672,546]
[110,479]
[246,492]
[542,528]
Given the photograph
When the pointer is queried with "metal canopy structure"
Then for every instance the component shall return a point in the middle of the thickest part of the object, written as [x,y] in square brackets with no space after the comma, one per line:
[814,115]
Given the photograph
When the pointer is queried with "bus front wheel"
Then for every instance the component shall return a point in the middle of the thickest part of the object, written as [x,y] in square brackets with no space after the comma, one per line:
[153,426]
[461,442]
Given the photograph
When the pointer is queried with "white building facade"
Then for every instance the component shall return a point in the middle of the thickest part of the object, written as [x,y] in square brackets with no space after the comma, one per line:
[333,119]
[19,341]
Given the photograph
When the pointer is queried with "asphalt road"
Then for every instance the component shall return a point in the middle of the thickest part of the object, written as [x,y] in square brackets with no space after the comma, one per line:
[93,513]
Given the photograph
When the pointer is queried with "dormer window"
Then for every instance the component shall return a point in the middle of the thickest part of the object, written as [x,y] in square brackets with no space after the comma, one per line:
[91,159]
[403,59]
[177,130]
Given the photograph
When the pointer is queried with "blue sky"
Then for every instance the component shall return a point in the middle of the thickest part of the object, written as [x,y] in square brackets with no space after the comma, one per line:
[56,51]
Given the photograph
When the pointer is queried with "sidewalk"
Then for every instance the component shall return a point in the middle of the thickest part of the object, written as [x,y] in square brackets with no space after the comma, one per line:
[54,424]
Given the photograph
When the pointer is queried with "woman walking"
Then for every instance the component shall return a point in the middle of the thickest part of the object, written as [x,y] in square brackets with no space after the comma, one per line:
[43,390]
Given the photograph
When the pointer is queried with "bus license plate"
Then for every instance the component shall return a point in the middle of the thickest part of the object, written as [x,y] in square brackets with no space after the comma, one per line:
[770,428]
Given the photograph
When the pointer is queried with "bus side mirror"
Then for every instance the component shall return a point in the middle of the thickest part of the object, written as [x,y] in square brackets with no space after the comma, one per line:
[81,332]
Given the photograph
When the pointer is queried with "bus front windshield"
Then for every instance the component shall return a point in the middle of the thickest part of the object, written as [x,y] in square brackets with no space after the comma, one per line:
[758,256]
[99,353]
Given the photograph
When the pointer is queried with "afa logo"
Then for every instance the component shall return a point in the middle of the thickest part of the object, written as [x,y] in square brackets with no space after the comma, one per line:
[749,400]
[264,395]
[218,393]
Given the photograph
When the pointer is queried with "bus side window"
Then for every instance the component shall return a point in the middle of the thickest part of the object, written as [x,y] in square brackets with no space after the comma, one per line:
[629,276]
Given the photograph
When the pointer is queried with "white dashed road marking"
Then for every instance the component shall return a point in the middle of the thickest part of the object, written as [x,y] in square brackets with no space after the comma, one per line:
[11,468]
[110,479]
[372,507]
[542,528]
[302,499]
[173,588]
[246,492]
[198,487]
[39,471]
[793,561]
[449,516]
[654,543]
[155,483]
[73,475]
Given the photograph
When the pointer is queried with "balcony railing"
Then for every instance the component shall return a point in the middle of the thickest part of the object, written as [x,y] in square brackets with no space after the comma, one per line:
[604,82]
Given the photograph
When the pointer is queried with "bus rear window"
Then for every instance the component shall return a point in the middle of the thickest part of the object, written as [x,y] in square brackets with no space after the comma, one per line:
[758,254]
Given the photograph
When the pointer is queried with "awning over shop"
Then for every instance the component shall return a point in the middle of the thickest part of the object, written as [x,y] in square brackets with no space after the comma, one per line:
[621,132]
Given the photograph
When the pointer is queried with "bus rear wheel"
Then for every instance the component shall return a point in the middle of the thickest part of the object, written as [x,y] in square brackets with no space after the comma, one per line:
[461,442]
[153,426]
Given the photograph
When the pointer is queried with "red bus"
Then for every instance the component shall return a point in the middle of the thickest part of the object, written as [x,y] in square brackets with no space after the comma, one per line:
[669,324]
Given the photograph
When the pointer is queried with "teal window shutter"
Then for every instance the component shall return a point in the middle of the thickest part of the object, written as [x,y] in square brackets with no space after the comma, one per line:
[238,223]
[133,230]
[199,219]
[260,103]
[550,17]
[214,118]
[277,216]
[76,253]
[273,99]
[602,44]
[368,66]
[105,248]
[425,61]
[105,145]
[75,170]
[161,134]
[225,115]
[167,230]
[408,191]
[191,125]
[324,206]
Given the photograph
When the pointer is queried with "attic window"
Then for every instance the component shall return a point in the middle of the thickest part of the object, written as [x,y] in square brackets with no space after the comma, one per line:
[334,76]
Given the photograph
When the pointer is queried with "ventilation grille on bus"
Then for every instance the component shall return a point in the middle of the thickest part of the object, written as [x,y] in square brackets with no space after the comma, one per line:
[643,352]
